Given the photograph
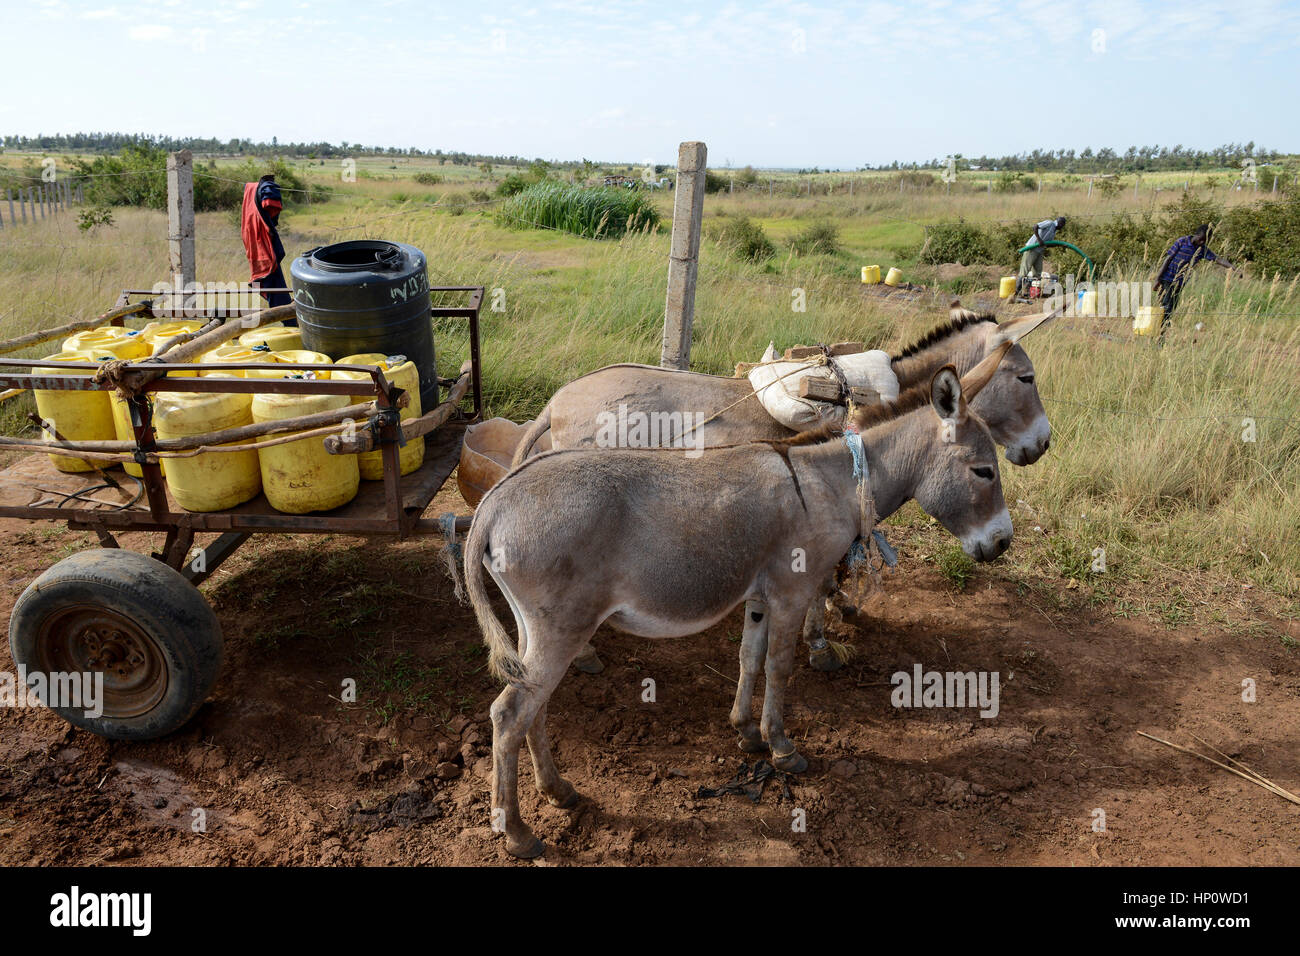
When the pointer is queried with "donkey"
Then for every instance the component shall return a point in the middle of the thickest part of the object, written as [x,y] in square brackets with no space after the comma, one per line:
[1010,406]
[665,545]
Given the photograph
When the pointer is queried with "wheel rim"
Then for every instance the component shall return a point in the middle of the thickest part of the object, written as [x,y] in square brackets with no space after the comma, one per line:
[96,639]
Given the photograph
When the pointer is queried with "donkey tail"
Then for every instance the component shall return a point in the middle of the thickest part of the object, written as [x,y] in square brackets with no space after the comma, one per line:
[531,436]
[503,659]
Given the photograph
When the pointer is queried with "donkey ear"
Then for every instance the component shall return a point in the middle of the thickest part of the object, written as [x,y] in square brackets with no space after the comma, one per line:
[979,376]
[945,393]
[1017,329]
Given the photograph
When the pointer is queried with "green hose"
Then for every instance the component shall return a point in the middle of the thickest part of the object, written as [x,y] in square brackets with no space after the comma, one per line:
[1092,269]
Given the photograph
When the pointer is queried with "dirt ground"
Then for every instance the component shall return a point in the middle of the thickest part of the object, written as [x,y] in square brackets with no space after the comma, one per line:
[286,773]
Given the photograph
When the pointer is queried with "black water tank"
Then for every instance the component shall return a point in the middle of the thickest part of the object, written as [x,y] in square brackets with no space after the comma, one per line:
[368,295]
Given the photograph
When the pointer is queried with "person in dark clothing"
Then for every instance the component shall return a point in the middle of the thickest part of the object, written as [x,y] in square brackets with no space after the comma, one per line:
[262,244]
[1177,265]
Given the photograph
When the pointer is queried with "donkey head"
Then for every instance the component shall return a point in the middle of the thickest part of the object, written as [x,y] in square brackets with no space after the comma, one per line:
[1010,404]
[962,488]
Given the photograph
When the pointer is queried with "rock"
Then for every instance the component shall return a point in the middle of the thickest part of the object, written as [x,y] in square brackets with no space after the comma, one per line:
[417,768]
[458,724]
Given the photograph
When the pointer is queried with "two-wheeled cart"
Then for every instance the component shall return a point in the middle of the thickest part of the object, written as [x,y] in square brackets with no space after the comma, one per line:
[138,622]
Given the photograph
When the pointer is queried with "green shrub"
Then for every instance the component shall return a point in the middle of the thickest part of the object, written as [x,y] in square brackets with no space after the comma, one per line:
[745,239]
[480,195]
[958,241]
[513,184]
[817,237]
[715,182]
[597,212]
[427,179]
[137,176]
[94,216]
[1015,183]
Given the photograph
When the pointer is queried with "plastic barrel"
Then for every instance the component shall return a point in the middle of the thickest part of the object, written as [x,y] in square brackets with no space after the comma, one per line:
[367,295]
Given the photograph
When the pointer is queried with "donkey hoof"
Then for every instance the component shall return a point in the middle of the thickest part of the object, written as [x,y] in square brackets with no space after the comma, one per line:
[824,660]
[753,745]
[564,799]
[528,849]
[589,663]
[793,762]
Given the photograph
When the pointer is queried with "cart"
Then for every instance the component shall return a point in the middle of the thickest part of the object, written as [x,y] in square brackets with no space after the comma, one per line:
[138,623]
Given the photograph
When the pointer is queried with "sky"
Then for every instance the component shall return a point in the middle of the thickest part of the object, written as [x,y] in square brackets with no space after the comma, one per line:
[834,85]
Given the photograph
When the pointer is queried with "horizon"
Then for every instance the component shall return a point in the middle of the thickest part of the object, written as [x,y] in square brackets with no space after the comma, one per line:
[572,79]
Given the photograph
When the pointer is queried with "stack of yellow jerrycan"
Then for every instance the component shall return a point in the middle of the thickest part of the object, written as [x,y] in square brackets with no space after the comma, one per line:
[274,336]
[300,477]
[103,345]
[74,415]
[305,357]
[402,372]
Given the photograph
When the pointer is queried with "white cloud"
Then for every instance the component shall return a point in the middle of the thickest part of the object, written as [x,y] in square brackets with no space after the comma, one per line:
[148,32]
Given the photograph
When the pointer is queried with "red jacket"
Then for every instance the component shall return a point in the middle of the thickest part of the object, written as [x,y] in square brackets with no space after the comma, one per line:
[256,234]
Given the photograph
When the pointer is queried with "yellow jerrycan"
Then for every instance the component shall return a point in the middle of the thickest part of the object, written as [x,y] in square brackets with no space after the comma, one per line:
[300,477]
[1147,319]
[77,416]
[119,347]
[212,481]
[157,333]
[402,372]
[1006,287]
[276,337]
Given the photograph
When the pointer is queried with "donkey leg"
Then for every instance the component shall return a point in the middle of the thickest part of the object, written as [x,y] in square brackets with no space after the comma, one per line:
[780,661]
[589,661]
[820,655]
[513,713]
[753,648]
[552,786]
[508,729]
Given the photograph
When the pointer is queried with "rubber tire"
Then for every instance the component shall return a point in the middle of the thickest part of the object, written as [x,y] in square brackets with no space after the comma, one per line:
[160,601]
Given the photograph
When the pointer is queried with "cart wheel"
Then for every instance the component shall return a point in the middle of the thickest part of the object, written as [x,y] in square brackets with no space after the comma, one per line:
[133,619]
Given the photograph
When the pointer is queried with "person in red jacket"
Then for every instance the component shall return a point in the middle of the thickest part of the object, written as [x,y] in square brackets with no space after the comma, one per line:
[262,245]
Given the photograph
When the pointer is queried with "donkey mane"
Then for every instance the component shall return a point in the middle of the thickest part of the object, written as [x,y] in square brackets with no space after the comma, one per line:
[960,319]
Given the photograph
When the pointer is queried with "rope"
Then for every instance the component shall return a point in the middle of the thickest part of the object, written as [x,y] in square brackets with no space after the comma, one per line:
[451,552]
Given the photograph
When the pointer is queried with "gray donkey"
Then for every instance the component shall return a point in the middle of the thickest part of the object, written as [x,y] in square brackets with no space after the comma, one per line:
[1010,406]
[660,544]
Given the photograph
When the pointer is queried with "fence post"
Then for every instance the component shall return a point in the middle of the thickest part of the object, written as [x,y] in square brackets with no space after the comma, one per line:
[180,216]
[683,255]
[10,196]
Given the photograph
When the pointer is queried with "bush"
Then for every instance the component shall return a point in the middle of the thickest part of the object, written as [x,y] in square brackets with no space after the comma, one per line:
[480,195]
[593,213]
[818,237]
[94,216]
[513,184]
[1015,183]
[958,241]
[427,179]
[715,182]
[455,204]
[138,177]
[745,239]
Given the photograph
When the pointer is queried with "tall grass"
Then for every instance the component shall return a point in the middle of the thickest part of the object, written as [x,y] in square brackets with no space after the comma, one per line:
[593,213]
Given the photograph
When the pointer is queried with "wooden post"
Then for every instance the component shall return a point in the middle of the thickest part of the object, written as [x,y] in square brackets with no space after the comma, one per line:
[1090,189]
[10,196]
[850,189]
[683,255]
[180,215]
[731,189]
